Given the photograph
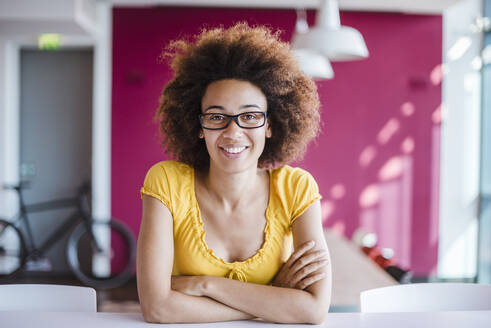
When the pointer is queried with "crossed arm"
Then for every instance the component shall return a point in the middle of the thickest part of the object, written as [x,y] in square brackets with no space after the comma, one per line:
[303,297]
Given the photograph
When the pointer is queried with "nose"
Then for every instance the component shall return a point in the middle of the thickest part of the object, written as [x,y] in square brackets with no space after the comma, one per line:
[233,129]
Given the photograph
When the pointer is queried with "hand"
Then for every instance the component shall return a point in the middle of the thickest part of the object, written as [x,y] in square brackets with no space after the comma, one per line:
[302,268]
[189,285]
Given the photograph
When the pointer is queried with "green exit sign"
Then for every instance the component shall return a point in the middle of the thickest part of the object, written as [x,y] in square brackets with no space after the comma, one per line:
[49,41]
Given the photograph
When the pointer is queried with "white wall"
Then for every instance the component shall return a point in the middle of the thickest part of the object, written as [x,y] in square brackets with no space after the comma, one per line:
[9,125]
[460,143]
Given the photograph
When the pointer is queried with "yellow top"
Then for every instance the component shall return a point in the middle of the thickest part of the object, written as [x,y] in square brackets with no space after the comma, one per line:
[292,191]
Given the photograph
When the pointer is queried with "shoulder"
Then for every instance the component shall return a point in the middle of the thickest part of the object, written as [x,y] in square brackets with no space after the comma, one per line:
[169,166]
[168,171]
[288,176]
[168,181]
[296,188]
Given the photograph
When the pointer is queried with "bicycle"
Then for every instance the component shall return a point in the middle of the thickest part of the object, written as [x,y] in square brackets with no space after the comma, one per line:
[90,242]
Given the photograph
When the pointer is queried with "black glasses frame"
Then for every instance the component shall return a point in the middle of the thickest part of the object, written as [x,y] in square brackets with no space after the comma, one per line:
[233,117]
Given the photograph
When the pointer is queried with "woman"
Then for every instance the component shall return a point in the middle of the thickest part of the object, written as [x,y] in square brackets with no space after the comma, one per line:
[218,223]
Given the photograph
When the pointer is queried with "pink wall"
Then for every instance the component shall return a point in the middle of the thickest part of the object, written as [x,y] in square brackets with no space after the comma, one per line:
[377,159]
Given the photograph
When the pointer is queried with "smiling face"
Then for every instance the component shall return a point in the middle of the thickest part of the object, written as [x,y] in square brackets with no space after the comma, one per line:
[234,149]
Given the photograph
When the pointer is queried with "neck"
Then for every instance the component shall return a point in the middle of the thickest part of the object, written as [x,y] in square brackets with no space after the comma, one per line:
[233,189]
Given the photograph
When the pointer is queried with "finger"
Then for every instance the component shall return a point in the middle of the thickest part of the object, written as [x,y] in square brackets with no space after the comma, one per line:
[298,253]
[308,258]
[307,270]
[311,280]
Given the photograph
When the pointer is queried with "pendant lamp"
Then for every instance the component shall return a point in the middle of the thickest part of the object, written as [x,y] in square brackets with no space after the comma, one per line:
[330,38]
[311,62]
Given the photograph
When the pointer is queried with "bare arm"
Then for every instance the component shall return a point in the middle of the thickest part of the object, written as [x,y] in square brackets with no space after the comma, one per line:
[277,304]
[154,268]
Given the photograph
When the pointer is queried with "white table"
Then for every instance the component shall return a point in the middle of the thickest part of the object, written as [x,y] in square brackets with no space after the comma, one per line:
[464,319]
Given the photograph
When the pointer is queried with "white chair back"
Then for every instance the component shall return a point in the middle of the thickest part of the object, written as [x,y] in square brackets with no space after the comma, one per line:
[427,297]
[59,298]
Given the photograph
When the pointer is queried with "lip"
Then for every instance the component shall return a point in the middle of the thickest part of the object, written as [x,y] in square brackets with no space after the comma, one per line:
[232,146]
[229,155]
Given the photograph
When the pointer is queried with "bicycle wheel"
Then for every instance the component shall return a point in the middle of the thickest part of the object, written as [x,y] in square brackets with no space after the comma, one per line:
[13,251]
[110,267]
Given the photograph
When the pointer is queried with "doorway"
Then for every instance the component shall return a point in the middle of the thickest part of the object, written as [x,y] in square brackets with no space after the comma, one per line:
[55,134]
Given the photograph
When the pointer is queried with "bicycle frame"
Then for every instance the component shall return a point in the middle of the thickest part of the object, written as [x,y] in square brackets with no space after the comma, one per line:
[79,215]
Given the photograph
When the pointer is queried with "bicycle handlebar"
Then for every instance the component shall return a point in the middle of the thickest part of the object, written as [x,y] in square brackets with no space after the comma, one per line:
[18,187]
[82,192]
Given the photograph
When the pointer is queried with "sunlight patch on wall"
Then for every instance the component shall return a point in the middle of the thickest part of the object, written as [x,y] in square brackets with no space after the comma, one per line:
[391,169]
[367,155]
[369,196]
[437,115]
[407,145]
[408,109]
[436,75]
[338,191]
[388,131]
[459,48]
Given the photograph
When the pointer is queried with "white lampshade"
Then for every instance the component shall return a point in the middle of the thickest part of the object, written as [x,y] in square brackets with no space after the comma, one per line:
[314,64]
[328,37]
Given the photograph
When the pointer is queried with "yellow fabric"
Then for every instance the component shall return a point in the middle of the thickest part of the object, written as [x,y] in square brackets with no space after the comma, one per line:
[292,191]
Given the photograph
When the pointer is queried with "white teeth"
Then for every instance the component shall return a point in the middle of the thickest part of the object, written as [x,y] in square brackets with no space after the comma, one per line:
[234,150]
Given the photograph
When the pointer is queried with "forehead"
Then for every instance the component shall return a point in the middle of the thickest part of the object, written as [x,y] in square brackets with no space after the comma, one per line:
[232,94]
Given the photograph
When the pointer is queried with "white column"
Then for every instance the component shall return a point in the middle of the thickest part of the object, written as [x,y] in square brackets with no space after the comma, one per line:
[460,143]
[101,125]
[9,125]
[9,138]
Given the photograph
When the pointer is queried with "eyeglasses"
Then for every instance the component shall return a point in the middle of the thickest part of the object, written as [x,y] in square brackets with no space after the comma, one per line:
[218,121]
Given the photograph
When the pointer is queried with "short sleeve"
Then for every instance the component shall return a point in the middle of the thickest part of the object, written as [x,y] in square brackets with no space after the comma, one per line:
[156,184]
[306,192]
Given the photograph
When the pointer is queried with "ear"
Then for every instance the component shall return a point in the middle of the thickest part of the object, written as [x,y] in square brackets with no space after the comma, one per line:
[201,135]
[268,130]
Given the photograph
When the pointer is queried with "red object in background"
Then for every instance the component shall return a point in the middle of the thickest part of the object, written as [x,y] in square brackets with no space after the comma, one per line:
[376,255]
[388,264]
[368,243]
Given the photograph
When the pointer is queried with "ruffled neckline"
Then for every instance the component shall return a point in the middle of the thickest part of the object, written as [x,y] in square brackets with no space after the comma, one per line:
[202,233]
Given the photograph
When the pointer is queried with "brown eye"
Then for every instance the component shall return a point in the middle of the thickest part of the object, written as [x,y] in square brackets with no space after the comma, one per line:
[249,117]
[216,117]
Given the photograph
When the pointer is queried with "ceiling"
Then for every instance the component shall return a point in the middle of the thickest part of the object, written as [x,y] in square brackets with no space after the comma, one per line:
[409,6]
[78,17]
[32,17]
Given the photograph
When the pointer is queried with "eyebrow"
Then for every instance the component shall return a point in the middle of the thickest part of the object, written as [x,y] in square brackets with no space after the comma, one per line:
[241,107]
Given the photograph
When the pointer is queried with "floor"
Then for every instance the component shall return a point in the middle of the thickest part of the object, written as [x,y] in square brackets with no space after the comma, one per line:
[121,299]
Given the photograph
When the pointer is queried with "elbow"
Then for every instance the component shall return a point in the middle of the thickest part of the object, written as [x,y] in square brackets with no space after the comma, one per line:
[156,310]
[310,309]
[317,318]
[317,314]
[152,313]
